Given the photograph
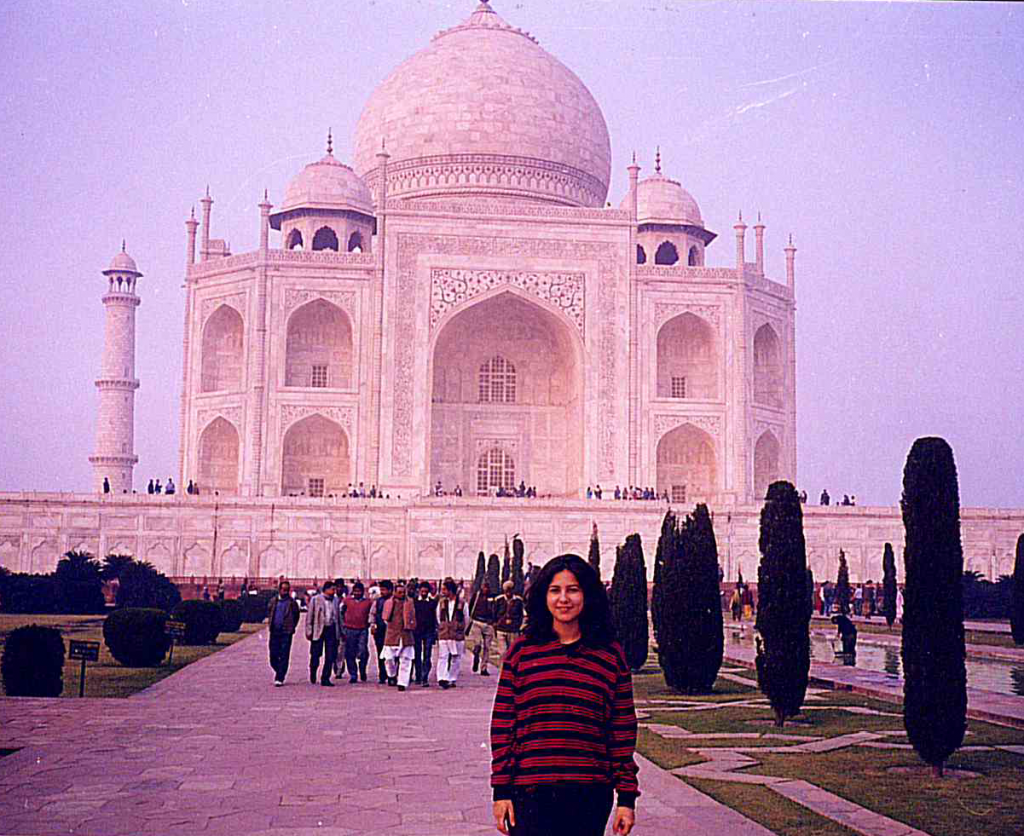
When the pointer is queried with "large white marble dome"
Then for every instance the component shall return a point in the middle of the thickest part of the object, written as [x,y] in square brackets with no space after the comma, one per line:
[484,111]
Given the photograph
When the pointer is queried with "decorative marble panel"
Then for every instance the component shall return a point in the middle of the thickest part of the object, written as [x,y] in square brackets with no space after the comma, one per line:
[294,297]
[231,414]
[344,416]
[711,424]
[234,300]
[664,311]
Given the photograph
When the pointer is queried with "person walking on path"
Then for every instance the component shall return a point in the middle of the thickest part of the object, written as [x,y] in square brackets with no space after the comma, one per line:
[283,617]
[400,617]
[385,589]
[355,626]
[508,615]
[452,619]
[425,633]
[481,617]
[323,629]
[563,725]
[736,604]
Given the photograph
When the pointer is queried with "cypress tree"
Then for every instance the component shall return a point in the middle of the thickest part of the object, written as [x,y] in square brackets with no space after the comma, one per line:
[691,641]
[783,617]
[493,576]
[506,568]
[629,601]
[517,565]
[1017,595]
[666,546]
[594,556]
[481,571]
[843,585]
[889,585]
[934,672]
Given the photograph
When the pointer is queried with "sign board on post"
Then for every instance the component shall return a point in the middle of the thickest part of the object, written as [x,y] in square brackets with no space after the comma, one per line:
[176,630]
[86,651]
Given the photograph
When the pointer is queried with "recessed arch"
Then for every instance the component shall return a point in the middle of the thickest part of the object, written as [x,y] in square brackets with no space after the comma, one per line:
[641,254]
[325,238]
[315,458]
[693,259]
[766,464]
[222,351]
[355,242]
[667,254]
[318,347]
[687,466]
[542,428]
[294,240]
[218,458]
[687,358]
[767,367]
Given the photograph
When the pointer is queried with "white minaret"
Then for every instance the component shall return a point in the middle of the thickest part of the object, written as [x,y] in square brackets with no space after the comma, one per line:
[115,457]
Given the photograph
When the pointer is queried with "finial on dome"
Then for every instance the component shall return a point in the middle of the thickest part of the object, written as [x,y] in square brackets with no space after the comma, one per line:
[207,189]
[791,239]
[330,142]
[193,213]
[634,158]
[657,160]
[759,216]
[266,194]
[122,244]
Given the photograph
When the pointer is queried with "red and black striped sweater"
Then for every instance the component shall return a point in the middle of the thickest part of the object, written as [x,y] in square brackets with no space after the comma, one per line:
[564,714]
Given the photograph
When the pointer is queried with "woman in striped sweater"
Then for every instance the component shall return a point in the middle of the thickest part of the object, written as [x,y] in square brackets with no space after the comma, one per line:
[563,727]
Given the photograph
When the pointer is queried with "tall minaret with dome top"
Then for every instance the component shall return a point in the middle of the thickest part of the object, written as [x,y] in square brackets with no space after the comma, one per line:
[115,459]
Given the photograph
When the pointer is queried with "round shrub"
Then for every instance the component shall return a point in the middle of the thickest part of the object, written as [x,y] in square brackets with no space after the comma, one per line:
[231,614]
[135,636]
[33,662]
[202,621]
[256,606]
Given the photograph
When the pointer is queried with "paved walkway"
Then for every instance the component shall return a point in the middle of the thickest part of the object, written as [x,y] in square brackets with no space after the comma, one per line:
[215,749]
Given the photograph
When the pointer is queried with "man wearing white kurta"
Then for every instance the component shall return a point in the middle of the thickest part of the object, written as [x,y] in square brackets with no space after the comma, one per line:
[452,618]
[399,648]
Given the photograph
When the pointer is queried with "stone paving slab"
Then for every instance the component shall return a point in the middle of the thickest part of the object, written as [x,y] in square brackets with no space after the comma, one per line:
[216,749]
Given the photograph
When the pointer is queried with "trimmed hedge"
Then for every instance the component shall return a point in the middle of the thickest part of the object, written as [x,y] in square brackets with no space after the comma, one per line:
[24,593]
[231,615]
[254,607]
[202,621]
[33,662]
[135,636]
[142,586]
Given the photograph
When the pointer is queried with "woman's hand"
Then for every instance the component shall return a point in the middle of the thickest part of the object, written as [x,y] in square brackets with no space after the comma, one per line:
[625,818]
[503,809]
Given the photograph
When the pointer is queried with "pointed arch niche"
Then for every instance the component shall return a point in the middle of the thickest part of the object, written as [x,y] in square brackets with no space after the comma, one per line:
[218,458]
[767,367]
[318,350]
[507,373]
[687,359]
[315,459]
[222,351]
[766,464]
[687,465]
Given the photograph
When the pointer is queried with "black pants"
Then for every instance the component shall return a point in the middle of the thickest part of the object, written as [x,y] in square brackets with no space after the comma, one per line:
[280,653]
[327,645]
[378,640]
[565,809]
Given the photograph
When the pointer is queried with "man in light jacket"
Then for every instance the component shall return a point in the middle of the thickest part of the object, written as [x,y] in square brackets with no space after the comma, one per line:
[323,629]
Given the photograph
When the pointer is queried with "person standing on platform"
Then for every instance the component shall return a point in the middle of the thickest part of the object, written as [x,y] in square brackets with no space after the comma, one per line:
[385,589]
[452,620]
[323,629]
[399,615]
[283,617]
[425,633]
[481,616]
[508,615]
[355,626]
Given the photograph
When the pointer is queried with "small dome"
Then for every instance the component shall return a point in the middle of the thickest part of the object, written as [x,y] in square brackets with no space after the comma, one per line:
[328,184]
[663,201]
[122,263]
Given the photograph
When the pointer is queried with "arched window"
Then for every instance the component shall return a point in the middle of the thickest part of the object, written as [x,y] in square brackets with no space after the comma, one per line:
[318,350]
[667,254]
[767,367]
[355,243]
[222,351]
[497,381]
[641,255]
[218,458]
[766,464]
[294,241]
[325,239]
[694,258]
[495,469]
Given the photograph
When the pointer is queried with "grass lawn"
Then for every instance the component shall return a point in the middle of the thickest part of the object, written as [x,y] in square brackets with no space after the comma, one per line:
[985,805]
[109,678]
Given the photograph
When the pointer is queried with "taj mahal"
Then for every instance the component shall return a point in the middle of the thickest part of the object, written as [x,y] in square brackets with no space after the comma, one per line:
[463,308]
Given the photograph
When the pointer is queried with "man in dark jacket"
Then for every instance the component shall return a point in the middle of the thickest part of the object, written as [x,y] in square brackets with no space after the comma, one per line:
[425,633]
[283,618]
[380,628]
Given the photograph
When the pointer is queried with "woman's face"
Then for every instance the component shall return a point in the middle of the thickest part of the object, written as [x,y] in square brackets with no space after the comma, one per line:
[565,597]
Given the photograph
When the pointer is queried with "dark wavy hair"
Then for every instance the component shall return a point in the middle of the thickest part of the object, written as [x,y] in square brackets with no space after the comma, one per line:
[595,620]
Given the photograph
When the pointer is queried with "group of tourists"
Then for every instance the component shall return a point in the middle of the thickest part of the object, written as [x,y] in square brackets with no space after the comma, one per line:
[563,725]
[867,600]
[847,500]
[632,492]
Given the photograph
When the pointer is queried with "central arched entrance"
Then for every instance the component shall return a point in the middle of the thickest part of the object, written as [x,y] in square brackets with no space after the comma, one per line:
[315,459]
[507,398]
[687,465]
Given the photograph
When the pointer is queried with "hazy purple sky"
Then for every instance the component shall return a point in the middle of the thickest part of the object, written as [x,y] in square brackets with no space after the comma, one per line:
[888,138]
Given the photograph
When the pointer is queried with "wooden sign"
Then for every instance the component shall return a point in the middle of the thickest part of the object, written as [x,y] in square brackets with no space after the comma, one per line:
[86,651]
[175,629]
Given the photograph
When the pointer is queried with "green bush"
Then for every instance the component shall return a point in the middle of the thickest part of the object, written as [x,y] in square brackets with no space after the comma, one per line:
[889,587]
[254,607]
[202,621]
[33,662]
[518,550]
[141,585]
[135,636]
[843,594]
[231,615]
[629,601]
[1017,595]
[22,593]
[594,555]
[78,585]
